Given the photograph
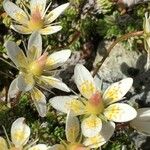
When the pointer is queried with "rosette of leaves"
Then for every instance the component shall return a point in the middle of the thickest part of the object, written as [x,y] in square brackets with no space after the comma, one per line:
[104,6]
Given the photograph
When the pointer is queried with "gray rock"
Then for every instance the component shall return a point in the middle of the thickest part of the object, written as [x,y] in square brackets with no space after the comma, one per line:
[140,141]
[119,63]
[123,63]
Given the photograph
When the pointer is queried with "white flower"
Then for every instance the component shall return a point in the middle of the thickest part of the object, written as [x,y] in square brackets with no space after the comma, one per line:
[32,67]
[72,134]
[142,122]
[94,105]
[101,138]
[20,133]
[37,20]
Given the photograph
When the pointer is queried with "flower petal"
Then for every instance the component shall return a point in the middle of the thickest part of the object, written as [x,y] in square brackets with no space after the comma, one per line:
[91,126]
[3,144]
[50,30]
[15,12]
[55,13]
[53,82]
[40,101]
[84,81]
[34,46]
[13,90]
[57,59]
[25,82]
[146,25]
[21,29]
[16,54]
[72,128]
[105,134]
[39,147]
[119,112]
[142,122]
[20,132]
[38,4]
[63,104]
[117,90]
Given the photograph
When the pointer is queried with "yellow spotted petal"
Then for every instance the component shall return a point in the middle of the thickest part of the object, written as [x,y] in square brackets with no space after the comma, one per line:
[16,54]
[117,90]
[84,81]
[39,100]
[20,132]
[55,13]
[3,144]
[67,103]
[50,30]
[15,12]
[38,4]
[120,112]
[25,82]
[34,46]
[72,128]
[39,147]
[91,126]
[57,59]
[142,122]
[105,134]
[76,106]
[49,81]
[21,29]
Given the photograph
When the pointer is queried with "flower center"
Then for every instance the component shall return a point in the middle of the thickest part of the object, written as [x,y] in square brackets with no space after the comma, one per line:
[36,22]
[36,67]
[95,104]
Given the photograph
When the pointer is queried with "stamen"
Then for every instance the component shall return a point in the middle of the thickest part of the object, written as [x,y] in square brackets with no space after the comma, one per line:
[42,59]
[24,45]
[8,140]
[46,10]
[8,63]
[31,144]
[63,142]
[55,23]
[46,49]
[74,92]
[24,8]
